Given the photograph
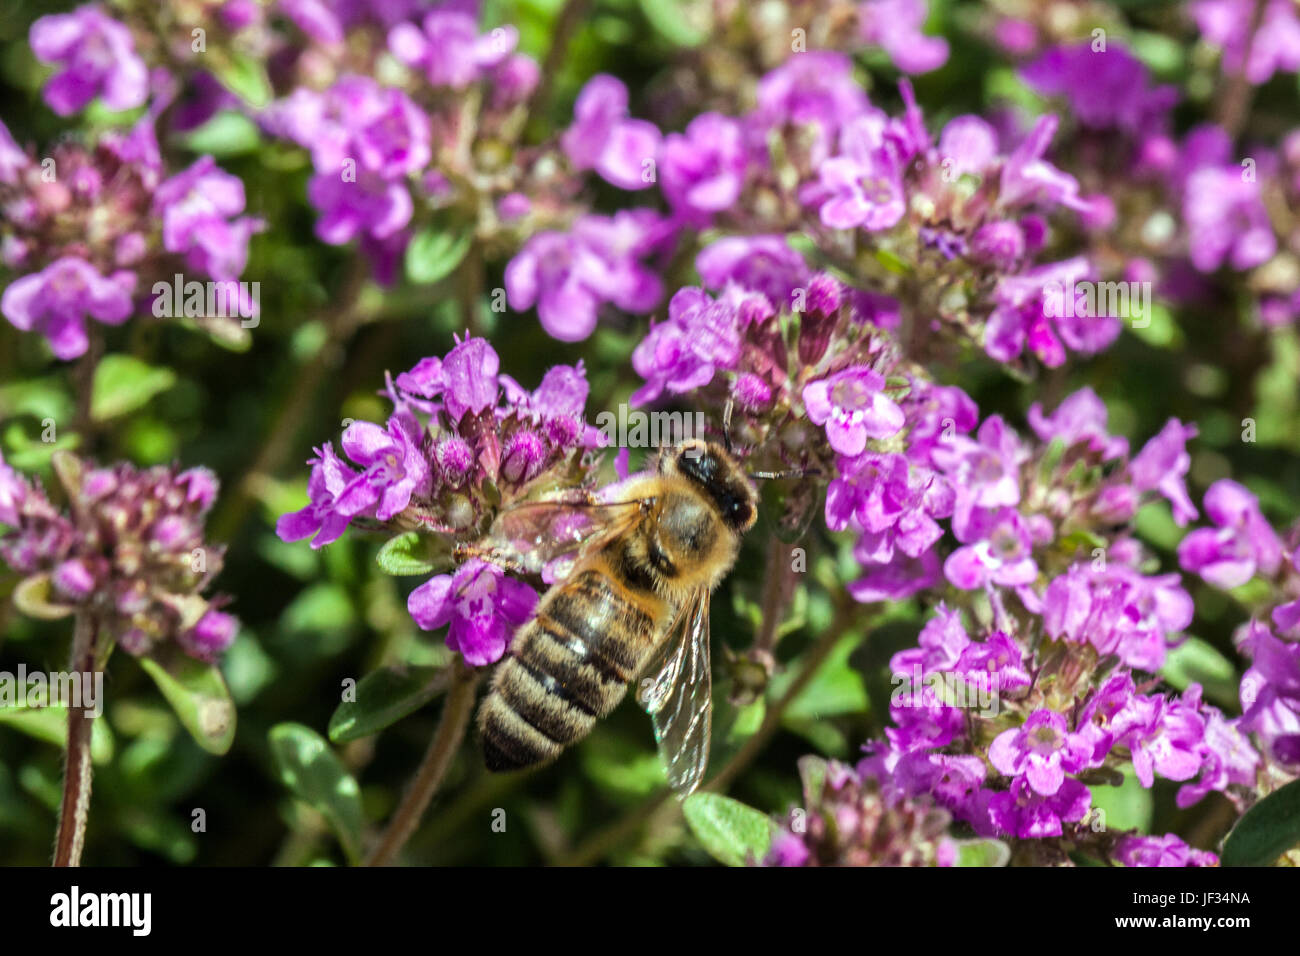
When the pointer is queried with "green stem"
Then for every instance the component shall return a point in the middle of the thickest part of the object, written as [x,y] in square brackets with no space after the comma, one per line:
[446,741]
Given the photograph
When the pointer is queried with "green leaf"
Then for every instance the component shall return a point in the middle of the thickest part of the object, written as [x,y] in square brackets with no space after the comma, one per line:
[123,384]
[812,775]
[892,261]
[1266,830]
[730,831]
[314,774]
[434,253]
[1125,807]
[226,134]
[384,697]
[837,687]
[41,398]
[245,76]
[982,853]
[197,693]
[680,22]
[323,607]
[50,724]
[1197,661]
[412,553]
[1159,328]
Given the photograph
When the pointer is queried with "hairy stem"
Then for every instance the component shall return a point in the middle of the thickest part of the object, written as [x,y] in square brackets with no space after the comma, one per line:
[566,24]
[446,741]
[75,806]
[1237,91]
[778,588]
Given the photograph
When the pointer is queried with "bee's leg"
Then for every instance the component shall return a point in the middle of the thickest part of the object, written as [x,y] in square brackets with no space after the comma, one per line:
[464,551]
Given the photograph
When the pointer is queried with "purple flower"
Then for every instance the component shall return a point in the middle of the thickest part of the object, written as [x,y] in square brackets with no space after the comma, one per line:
[1042,750]
[604,139]
[1273,47]
[1028,179]
[1038,310]
[569,276]
[1025,813]
[57,300]
[1108,88]
[984,471]
[13,493]
[814,89]
[968,145]
[892,503]
[998,549]
[369,207]
[13,160]
[942,641]
[896,26]
[96,56]
[935,414]
[1167,850]
[953,780]
[365,140]
[482,605]
[1270,693]
[853,407]
[1163,736]
[898,580]
[700,337]
[1117,611]
[469,376]
[210,637]
[330,477]
[74,579]
[995,665]
[394,467]
[198,209]
[562,395]
[127,545]
[703,170]
[1243,542]
[924,721]
[1226,220]
[449,49]
[1162,465]
[1227,758]
[763,264]
[1081,417]
[863,185]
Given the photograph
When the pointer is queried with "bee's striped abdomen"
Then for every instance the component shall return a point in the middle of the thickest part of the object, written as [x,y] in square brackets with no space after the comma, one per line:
[567,666]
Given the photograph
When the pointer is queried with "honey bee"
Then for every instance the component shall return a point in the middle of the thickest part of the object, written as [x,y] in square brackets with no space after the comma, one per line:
[634,604]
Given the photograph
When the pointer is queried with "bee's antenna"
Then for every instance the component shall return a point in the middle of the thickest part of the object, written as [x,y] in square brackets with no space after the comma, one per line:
[791,473]
[726,425]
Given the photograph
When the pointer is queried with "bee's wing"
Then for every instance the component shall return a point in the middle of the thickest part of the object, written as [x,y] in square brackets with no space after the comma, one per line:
[546,536]
[677,692]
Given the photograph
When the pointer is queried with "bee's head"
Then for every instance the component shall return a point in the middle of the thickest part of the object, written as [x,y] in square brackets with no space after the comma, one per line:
[713,469]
